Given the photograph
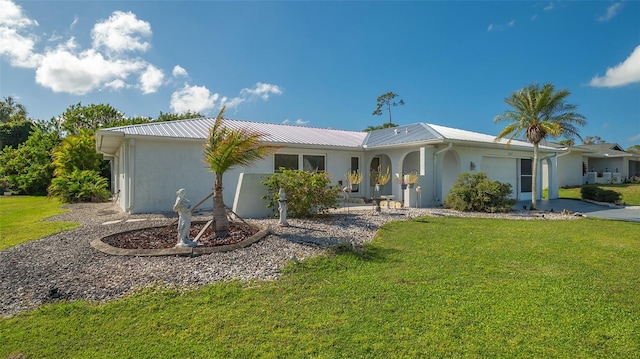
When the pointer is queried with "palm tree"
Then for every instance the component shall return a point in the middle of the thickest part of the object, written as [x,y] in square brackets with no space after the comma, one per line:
[225,149]
[539,113]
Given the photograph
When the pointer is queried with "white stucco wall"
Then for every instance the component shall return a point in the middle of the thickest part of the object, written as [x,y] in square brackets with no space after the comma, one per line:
[164,166]
[151,170]
[570,170]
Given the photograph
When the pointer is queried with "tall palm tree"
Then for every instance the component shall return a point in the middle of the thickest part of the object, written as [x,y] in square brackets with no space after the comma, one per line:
[539,113]
[225,149]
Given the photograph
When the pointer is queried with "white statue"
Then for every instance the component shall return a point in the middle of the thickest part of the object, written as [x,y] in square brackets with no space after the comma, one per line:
[183,207]
[282,208]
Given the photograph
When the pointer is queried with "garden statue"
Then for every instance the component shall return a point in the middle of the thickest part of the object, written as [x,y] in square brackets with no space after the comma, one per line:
[282,208]
[183,207]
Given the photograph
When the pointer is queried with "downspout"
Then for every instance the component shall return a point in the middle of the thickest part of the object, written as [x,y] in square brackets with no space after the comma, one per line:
[132,177]
[435,169]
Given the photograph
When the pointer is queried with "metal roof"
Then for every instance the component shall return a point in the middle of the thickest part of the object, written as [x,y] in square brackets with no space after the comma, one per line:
[273,133]
[417,132]
[427,132]
[109,139]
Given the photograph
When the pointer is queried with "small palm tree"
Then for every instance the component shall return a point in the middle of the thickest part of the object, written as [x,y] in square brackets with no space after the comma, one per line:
[539,113]
[225,149]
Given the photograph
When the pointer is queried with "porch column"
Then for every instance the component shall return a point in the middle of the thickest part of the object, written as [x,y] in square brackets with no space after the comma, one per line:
[552,180]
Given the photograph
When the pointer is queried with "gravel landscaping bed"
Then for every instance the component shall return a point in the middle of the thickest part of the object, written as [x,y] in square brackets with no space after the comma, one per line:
[65,267]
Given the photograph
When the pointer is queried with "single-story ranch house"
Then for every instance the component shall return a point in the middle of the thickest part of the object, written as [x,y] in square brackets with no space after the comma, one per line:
[150,162]
[595,163]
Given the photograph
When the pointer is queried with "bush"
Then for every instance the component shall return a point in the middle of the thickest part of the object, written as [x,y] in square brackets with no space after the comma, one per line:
[598,194]
[27,169]
[477,193]
[308,193]
[80,186]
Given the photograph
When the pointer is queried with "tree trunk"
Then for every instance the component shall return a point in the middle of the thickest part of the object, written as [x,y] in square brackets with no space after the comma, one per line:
[219,212]
[534,179]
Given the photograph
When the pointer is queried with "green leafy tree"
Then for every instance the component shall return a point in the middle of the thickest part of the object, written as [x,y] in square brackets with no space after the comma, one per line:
[28,169]
[177,116]
[592,140]
[12,111]
[537,113]
[634,149]
[14,133]
[77,153]
[567,142]
[386,101]
[225,149]
[385,125]
[14,124]
[127,121]
[91,117]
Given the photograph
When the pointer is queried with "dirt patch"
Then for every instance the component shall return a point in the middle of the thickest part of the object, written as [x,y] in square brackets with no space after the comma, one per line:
[167,236]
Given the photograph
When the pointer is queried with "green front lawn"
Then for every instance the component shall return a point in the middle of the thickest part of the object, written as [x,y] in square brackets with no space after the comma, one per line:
[630,192]
[21,219]
[431,287]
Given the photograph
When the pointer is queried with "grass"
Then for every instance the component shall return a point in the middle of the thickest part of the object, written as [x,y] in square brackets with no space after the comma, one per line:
[630,192]
[431,287]
[21,219]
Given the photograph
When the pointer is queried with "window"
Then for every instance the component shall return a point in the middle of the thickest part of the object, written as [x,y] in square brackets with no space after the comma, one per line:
[311,163]
[526,172]
[289,162]
[355,164]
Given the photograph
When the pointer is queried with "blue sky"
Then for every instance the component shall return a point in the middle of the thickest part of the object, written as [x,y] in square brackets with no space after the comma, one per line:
[323,64]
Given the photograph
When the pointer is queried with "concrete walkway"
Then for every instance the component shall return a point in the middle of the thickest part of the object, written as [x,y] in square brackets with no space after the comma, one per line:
[621,213]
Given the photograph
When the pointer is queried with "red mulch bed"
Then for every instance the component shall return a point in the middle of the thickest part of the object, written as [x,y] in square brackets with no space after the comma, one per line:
[167,236]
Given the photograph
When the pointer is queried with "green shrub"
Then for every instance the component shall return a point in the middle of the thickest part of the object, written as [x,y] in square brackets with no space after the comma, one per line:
[596,193]
[477,193]
[27,169]
[308,193]
[80,186]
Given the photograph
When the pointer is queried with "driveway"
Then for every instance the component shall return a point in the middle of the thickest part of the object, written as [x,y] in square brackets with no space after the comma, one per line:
[628,213]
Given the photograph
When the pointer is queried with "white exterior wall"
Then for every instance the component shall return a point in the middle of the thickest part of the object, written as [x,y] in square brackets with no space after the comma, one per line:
[149,171]
[571,170]
[161,168]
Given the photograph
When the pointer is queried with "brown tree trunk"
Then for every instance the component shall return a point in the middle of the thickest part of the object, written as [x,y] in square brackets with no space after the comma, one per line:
[534,179]
[220,218]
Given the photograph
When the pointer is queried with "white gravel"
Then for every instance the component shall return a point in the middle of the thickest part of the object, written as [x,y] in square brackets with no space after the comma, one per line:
[65,267]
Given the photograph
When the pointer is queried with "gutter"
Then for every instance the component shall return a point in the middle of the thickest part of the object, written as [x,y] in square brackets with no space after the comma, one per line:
[435,167]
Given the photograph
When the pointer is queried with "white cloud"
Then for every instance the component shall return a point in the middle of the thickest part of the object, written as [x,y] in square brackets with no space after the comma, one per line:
[179,71]
[74,23]
[634,138]
[549,7]
[194,99]
[232,103]
[625,73]
[261,90]
[298,122]
[121,32]
[12,16]
[612,11]
[501,27]
[62,70]
[151,79]
[14,43]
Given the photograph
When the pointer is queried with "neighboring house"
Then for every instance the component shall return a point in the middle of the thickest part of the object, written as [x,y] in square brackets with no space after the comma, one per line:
[150,162]
[610,158]
[600,163]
